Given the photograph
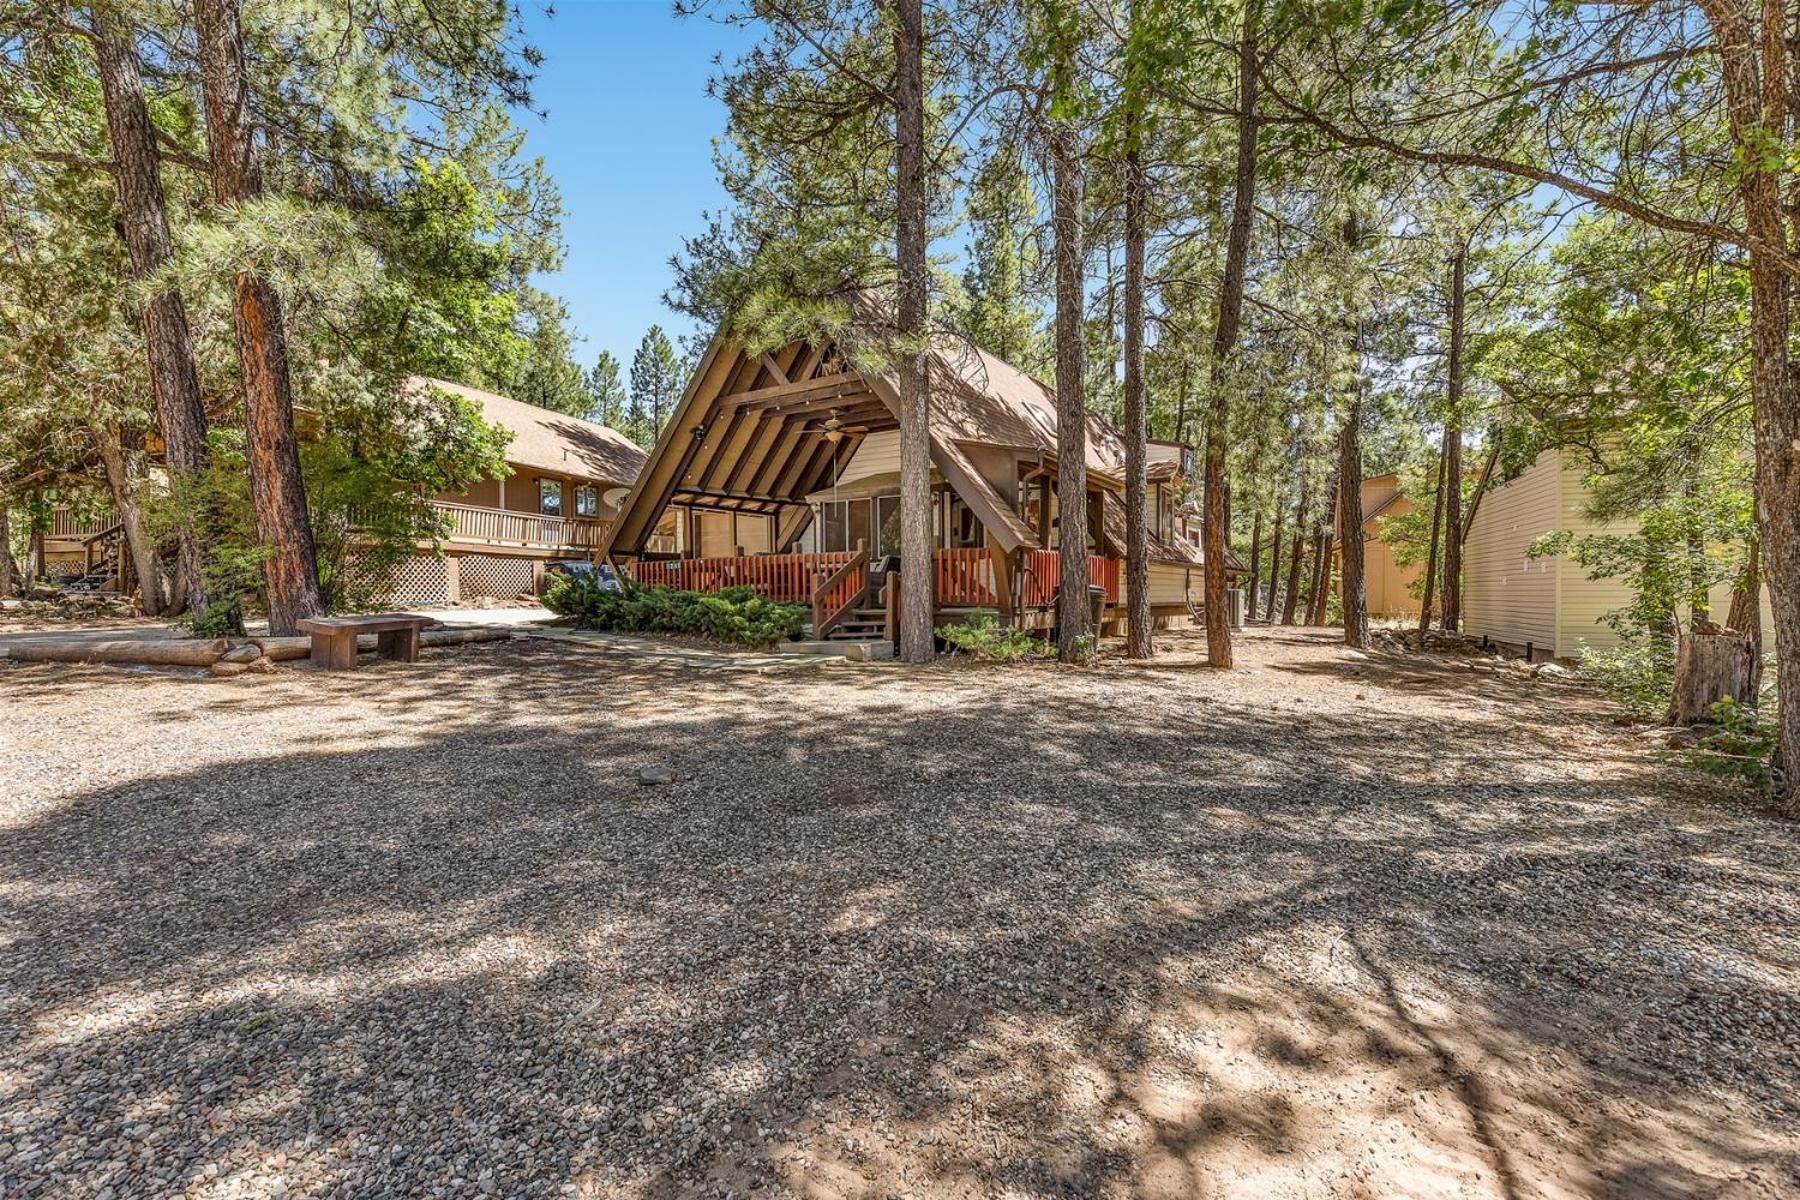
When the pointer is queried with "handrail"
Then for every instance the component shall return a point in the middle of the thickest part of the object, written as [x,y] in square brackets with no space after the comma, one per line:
[839,592]
[504,525]
[789,578]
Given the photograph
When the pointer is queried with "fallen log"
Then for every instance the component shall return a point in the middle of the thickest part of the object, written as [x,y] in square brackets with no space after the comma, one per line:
[155,652]
[460,637]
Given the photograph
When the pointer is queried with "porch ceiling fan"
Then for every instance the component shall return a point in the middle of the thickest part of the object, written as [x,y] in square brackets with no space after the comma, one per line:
[832,429]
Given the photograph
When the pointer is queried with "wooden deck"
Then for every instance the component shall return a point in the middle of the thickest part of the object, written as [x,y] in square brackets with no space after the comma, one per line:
[963,578]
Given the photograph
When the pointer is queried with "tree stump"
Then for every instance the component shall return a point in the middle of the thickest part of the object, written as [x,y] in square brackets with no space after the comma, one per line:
[1710,666]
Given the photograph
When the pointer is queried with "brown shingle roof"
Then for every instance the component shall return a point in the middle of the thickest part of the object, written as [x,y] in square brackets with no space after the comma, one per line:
[551,441]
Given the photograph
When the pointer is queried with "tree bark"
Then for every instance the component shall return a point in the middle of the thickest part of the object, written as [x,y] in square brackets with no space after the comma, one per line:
[913,275]
[1216,532]
[1321,592]
[144,225]
[1710,667]
[1745,614]
[1350,521]
[6,558]
[1138,643]
[1255,565]
[1453,529]
[1072,617]
[277,492]
[1275,559]
[1431,560]
[122,474]
[1291,602]
[1756,66]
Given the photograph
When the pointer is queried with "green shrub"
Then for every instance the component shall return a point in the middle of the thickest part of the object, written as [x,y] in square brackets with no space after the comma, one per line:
[986,638]
[1639,673]
[736,615]
[1741,749]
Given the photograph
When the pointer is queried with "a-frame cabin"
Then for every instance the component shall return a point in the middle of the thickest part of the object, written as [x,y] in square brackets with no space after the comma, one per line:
[780,471]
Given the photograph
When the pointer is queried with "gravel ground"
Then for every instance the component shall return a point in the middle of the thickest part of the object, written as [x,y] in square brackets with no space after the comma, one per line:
[1320,926]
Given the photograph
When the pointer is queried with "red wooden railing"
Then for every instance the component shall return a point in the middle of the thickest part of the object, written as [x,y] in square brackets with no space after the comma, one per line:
[965,578]
[839,592]
[790,578]
[1043,574]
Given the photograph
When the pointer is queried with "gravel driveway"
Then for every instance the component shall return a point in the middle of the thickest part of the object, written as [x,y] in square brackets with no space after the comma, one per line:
[1323,926]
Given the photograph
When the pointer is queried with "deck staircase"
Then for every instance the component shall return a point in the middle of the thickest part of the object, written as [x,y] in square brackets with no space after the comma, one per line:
[860,625]
[104,571]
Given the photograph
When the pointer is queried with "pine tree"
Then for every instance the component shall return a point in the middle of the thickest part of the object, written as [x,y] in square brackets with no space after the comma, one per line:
[656,386]
[605,391]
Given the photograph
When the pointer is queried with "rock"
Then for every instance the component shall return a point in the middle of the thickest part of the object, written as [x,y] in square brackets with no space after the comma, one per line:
[1554,671]
[228,668]
[652,776]
[249,652]
[262,666]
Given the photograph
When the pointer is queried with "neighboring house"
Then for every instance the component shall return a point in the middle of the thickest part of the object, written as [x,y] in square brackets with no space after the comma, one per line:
[782,471]
[1387,585]
[568,477]
[1547,605]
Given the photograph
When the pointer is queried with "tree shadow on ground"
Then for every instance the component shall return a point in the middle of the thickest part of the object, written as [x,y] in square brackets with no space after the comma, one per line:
[927,933]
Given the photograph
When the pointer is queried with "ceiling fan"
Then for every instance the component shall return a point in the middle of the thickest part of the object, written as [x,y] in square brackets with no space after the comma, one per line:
[832,429]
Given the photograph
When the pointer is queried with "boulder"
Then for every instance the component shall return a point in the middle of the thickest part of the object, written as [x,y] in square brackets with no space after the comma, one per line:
[249,652]
[229,668]
[656,775]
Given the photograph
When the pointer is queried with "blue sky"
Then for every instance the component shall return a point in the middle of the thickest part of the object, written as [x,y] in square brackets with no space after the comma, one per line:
[628,140]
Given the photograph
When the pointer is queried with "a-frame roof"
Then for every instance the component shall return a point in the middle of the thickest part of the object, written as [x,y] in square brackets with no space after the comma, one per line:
[747,433]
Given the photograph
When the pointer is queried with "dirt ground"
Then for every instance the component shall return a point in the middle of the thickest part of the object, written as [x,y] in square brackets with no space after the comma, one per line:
[1319,926]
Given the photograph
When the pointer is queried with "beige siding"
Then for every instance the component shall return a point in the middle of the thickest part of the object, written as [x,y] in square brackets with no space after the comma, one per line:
[753,533]
[1506,595]
[1583,603]
[877,454]
[1168,583]
[715,534]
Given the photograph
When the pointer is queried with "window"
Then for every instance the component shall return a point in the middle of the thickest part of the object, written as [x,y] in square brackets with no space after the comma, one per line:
[843,524]
[587,500]
[887,526]
[550,497]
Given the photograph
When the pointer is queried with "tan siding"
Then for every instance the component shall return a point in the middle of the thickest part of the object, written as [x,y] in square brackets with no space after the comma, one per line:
[877,454]
[1507,596]
[1168,583]
[1583,603]
[715,534]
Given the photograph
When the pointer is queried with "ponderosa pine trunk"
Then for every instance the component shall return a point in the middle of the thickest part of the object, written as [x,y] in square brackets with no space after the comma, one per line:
[1745,614]
[913,275]
[144,226]
[1321,592]
[1255,565]
[1291,602]
[1431,559]
[6,558]
[1138,642]
[1072,617]
[1453,528]
[277,492]
[1275,559]
[124,468]
[1350,520]
[1225,338]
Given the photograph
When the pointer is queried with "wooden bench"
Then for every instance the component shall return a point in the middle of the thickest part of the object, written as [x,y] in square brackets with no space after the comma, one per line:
[334,638]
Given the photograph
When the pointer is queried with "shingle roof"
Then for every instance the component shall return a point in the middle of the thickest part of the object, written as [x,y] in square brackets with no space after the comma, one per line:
[551,441]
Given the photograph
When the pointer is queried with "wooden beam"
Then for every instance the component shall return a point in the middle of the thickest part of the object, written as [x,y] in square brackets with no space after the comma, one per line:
[797,390]
[768,363]
[804,467]
[793,433]
[739,431]
[814,356]
[767,431]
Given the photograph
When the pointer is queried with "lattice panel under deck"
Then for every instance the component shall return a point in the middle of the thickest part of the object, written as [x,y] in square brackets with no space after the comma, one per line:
[494,575]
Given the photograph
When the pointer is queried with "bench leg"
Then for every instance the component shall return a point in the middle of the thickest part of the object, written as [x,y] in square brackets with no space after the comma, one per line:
[401,645]
[334,651]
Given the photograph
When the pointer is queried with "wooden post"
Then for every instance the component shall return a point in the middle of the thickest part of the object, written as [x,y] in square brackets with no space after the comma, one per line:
[1003,581]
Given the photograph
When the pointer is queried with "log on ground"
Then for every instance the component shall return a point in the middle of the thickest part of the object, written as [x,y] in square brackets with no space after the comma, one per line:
[156,652]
